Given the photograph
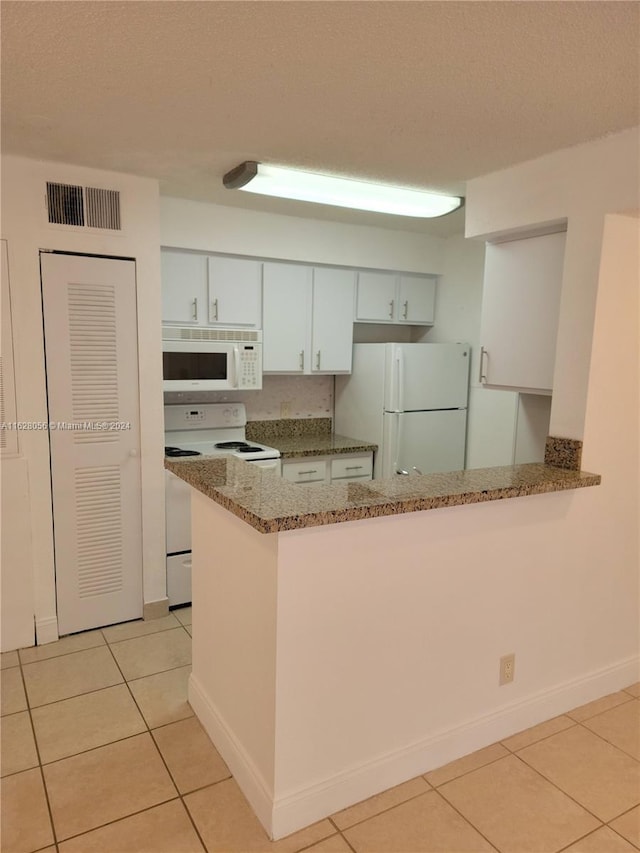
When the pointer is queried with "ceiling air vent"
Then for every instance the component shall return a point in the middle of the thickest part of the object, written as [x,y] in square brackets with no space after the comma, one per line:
[88,207]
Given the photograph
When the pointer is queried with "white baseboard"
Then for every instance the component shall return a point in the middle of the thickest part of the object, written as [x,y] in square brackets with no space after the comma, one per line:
[155,609]
[294,810]
[46,630]
[252,784]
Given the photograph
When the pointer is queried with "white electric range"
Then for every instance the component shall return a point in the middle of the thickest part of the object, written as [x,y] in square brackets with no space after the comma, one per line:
[192,431]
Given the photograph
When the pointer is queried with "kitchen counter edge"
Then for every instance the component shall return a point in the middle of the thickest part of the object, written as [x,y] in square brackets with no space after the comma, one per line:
[371,499]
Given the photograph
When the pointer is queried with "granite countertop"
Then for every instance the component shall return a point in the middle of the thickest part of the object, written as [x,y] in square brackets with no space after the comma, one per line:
[298,437]
[270,503]
[319,445]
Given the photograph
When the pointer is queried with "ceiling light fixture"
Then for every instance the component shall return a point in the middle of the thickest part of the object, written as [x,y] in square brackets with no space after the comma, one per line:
[343,192]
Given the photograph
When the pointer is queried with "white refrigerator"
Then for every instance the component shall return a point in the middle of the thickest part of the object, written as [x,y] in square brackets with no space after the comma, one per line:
[410,400]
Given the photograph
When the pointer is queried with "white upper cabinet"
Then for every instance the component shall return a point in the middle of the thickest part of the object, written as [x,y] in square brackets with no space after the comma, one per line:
[332,320]
[520,309]
[307,319]
[184,288]
[376,298]
[235,292]
[286,302]
[384,297]
[416,299]
[200,290]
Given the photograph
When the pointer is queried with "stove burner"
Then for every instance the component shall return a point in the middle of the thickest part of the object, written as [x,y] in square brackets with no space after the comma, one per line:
[249,449]
[177,451]
[232,445]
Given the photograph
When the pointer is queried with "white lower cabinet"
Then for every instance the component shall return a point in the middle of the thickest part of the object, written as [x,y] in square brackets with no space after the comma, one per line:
[328,469]
[307,320]
[307,470]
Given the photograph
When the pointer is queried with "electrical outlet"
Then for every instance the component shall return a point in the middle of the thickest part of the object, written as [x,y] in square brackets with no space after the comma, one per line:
[285,410]
[507,669]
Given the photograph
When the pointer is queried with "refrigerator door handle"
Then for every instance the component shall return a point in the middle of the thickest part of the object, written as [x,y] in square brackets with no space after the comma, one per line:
[397,453]
[400,379]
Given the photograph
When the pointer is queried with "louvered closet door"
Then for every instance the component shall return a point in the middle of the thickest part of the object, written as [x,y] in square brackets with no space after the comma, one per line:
[92,379]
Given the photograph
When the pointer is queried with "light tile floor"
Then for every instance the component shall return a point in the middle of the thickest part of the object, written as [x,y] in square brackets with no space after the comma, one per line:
[101,753]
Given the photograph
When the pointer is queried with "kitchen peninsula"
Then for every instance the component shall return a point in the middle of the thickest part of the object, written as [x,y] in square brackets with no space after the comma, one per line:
[319,646]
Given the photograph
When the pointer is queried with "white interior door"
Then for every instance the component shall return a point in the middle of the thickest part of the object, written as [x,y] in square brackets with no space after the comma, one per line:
[92,387]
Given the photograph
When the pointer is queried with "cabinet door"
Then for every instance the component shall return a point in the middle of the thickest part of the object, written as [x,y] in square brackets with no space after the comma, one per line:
[184,287]
[235,292]
[332,323]
[520,307]
[286,295]
[358,467]
[376,297]
[310,470]
[416,299]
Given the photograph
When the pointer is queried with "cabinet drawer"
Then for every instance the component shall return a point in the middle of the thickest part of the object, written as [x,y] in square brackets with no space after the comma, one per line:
[305,470]
[351,466]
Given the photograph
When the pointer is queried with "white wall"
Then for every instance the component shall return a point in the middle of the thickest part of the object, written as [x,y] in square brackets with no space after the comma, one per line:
[25,227]
[208,227]
[492,414]
[385,610]
[580,184]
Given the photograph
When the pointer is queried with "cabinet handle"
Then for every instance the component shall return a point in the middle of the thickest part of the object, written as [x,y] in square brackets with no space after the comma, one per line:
[194,312]
[312,471]
[391,304]
[482,376]
[301,359]
[352,467]
[318,360]
[405,309]
[214,306]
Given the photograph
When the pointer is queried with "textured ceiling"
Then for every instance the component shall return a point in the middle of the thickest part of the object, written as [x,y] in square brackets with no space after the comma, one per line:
[422,94]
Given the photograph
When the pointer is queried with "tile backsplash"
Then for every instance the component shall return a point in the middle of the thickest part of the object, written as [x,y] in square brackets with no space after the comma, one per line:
[281,396]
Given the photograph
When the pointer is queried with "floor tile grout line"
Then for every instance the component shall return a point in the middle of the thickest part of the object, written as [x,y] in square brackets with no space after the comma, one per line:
[466,772]
[161,756]
[613,829]
[149,634]
[117,820]
[557,787]
[382,811]
[77,695]
[599,713]
[468,821]
[63,655]
[39,757]
[538,740]
[159,751]
[610,743]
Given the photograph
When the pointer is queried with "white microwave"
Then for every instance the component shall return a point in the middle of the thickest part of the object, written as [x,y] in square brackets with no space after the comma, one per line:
[197,359]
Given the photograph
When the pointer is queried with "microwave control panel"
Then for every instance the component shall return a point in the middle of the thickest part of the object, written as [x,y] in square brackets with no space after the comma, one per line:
[250,368]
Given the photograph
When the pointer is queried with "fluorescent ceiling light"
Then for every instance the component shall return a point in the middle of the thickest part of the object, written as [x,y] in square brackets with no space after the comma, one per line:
[341,192]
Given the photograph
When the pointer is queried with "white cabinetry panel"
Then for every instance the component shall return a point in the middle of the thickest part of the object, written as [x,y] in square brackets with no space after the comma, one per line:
[286,296]
[390,298]
[416,299]
[329,469]
[332,320]
[376,299]
[235,297]
[184,288]
[307,319]
[520,308]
